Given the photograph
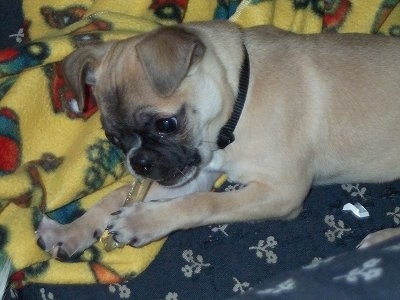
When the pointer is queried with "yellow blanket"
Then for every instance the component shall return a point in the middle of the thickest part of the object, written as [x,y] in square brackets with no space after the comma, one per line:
[54,161]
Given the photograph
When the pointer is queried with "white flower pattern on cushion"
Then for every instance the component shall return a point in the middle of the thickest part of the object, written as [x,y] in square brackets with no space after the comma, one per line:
[220,228]
[264,247]
[318,261]
[368,272]
[355,190]
[195,264]
[123,290]
[337,228]
[281,288]
[240,287]
[48,296]
[171,296]
[395,214]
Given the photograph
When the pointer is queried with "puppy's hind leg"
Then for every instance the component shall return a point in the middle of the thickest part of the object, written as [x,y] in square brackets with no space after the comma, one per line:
[378,237]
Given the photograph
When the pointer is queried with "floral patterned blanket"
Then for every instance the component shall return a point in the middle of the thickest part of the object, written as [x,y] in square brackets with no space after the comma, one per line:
[46,164]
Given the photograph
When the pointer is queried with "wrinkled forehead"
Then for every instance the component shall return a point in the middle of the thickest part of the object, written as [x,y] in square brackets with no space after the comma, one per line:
[120,73]
[122,85]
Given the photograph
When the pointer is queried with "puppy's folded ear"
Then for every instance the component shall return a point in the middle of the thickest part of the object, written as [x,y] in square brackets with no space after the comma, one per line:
[167,55]
[79,69]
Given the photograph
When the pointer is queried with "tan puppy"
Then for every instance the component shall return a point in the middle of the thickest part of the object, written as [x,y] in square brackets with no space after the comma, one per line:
[319,109]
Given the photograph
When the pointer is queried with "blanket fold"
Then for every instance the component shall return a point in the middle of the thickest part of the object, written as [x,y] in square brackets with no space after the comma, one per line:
[54,161]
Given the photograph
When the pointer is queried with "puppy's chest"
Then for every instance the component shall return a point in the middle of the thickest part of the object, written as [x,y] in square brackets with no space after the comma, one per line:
[222,162]
[217,162]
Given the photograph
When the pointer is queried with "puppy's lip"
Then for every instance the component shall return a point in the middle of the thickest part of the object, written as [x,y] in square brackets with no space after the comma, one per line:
[184,176]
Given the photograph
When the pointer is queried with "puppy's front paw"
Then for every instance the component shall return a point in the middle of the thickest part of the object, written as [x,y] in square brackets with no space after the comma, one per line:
[139,224]
[64,242]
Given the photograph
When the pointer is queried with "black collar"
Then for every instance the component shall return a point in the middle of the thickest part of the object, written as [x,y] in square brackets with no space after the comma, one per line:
[226,135]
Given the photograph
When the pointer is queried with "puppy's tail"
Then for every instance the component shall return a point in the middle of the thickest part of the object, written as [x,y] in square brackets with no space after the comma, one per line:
[5,269]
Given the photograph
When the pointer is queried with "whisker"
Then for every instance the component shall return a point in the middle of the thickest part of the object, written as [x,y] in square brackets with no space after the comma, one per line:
[209,142]
[185,176]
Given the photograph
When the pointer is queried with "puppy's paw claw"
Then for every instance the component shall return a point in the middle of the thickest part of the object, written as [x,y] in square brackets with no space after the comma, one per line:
[40,242]
[64,242]
[141,224]
[64,255]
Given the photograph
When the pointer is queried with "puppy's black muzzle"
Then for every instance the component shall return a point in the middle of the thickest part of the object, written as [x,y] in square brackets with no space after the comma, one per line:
[163,160]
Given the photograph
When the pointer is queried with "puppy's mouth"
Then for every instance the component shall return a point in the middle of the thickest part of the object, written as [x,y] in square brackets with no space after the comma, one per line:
[172,169]
[180,177]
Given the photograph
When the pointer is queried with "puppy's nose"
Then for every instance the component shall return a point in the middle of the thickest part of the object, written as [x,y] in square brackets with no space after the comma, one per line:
[141,164]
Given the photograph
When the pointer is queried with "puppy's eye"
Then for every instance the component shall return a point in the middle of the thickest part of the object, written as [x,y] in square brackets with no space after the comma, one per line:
[167,125]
